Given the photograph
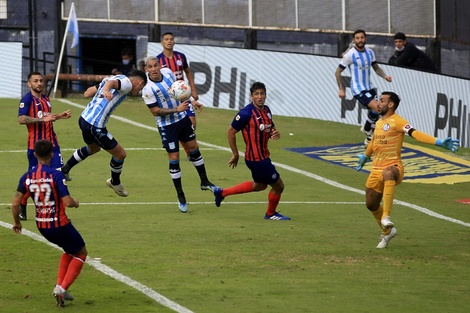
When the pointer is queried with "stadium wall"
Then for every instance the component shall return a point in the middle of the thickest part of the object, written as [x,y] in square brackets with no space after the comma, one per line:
[10,71]
[305,86]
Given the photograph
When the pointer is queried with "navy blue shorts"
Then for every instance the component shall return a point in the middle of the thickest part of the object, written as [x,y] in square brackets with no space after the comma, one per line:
[366,97]
[67,237]
[190,110]
[172,134]
[263,171]
[56,161]
[100,136]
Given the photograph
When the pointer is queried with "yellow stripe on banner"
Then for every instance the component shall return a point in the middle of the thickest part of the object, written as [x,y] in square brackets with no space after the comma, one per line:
[448,173]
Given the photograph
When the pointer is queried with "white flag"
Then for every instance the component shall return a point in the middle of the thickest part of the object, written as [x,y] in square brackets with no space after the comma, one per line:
[73,25]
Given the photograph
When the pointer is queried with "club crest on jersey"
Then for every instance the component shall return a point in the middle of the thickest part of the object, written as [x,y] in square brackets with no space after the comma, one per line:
[179,62]
[386,127]
[40,115]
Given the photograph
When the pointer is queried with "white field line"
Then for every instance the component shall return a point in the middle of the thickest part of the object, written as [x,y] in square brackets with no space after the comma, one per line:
[165,301]
[113,274]
[206,203]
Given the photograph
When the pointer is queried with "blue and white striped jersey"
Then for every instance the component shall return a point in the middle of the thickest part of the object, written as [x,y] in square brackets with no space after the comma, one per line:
[100,109]
[359,64]
[156,94]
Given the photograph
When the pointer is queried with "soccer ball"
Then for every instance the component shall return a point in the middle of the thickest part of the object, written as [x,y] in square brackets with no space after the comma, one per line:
[180,90]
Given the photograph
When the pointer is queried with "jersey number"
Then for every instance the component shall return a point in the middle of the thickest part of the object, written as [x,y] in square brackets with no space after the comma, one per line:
[43,190]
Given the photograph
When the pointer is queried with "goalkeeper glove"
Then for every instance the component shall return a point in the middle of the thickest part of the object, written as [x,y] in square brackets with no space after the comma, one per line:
[449,143]
[362,160]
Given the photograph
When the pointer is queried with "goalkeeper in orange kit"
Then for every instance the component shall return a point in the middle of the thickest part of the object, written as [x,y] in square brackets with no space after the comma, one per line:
[387,167]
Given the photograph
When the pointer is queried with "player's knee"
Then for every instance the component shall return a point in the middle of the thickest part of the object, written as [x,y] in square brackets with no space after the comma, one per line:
[372,207]
[259,187]
[120,155]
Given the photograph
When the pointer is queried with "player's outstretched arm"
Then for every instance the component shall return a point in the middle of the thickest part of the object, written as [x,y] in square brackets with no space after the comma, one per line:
[448,143]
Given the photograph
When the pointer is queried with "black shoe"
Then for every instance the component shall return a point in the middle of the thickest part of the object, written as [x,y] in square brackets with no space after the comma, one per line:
[208,186]
[23,216]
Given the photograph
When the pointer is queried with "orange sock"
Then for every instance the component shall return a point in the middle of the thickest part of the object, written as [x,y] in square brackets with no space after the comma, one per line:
[73,271]
[63,266]
[378,215]
[237,189]
[273,201]
[389,193]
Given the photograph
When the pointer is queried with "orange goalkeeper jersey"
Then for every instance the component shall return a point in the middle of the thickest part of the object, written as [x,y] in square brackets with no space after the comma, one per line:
[387,142]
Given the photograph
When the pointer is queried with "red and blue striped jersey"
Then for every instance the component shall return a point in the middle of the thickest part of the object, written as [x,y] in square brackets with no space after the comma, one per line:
[177,64]
[256,126]
[38,108]
[47,188]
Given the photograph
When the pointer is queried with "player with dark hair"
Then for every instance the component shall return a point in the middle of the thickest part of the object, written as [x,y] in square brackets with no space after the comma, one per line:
[174,126]
[51,197]
[257,127]
[109,95]
[360,59]
[387,167]
[178,64]
[35,111]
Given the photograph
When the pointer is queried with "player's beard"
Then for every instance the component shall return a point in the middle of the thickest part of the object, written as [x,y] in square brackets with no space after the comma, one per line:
[360,45]
[37,89]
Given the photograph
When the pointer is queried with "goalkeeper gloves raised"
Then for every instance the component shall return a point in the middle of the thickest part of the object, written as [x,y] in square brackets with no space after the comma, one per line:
[449,143]
[362,160]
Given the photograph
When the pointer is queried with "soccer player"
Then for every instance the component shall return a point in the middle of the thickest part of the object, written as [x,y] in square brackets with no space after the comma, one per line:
[257,127]
[387,167]
[111,92]
[35,112]
[173,125]
[51,197]
[359,59]
[178,64]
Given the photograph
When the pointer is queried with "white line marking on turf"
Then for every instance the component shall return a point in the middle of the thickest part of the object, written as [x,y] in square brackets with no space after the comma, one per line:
[206,203]
[73,149]
[112,273]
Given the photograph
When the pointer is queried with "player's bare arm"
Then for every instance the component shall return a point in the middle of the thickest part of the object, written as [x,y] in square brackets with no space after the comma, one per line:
[110,84]
[341,92]
[381,73]
[64,115]
[70,202]
[232,141]
[275,134]
[25,119]
[190,77]
[90,92]
[197,105]
[157,111]
[15,210]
